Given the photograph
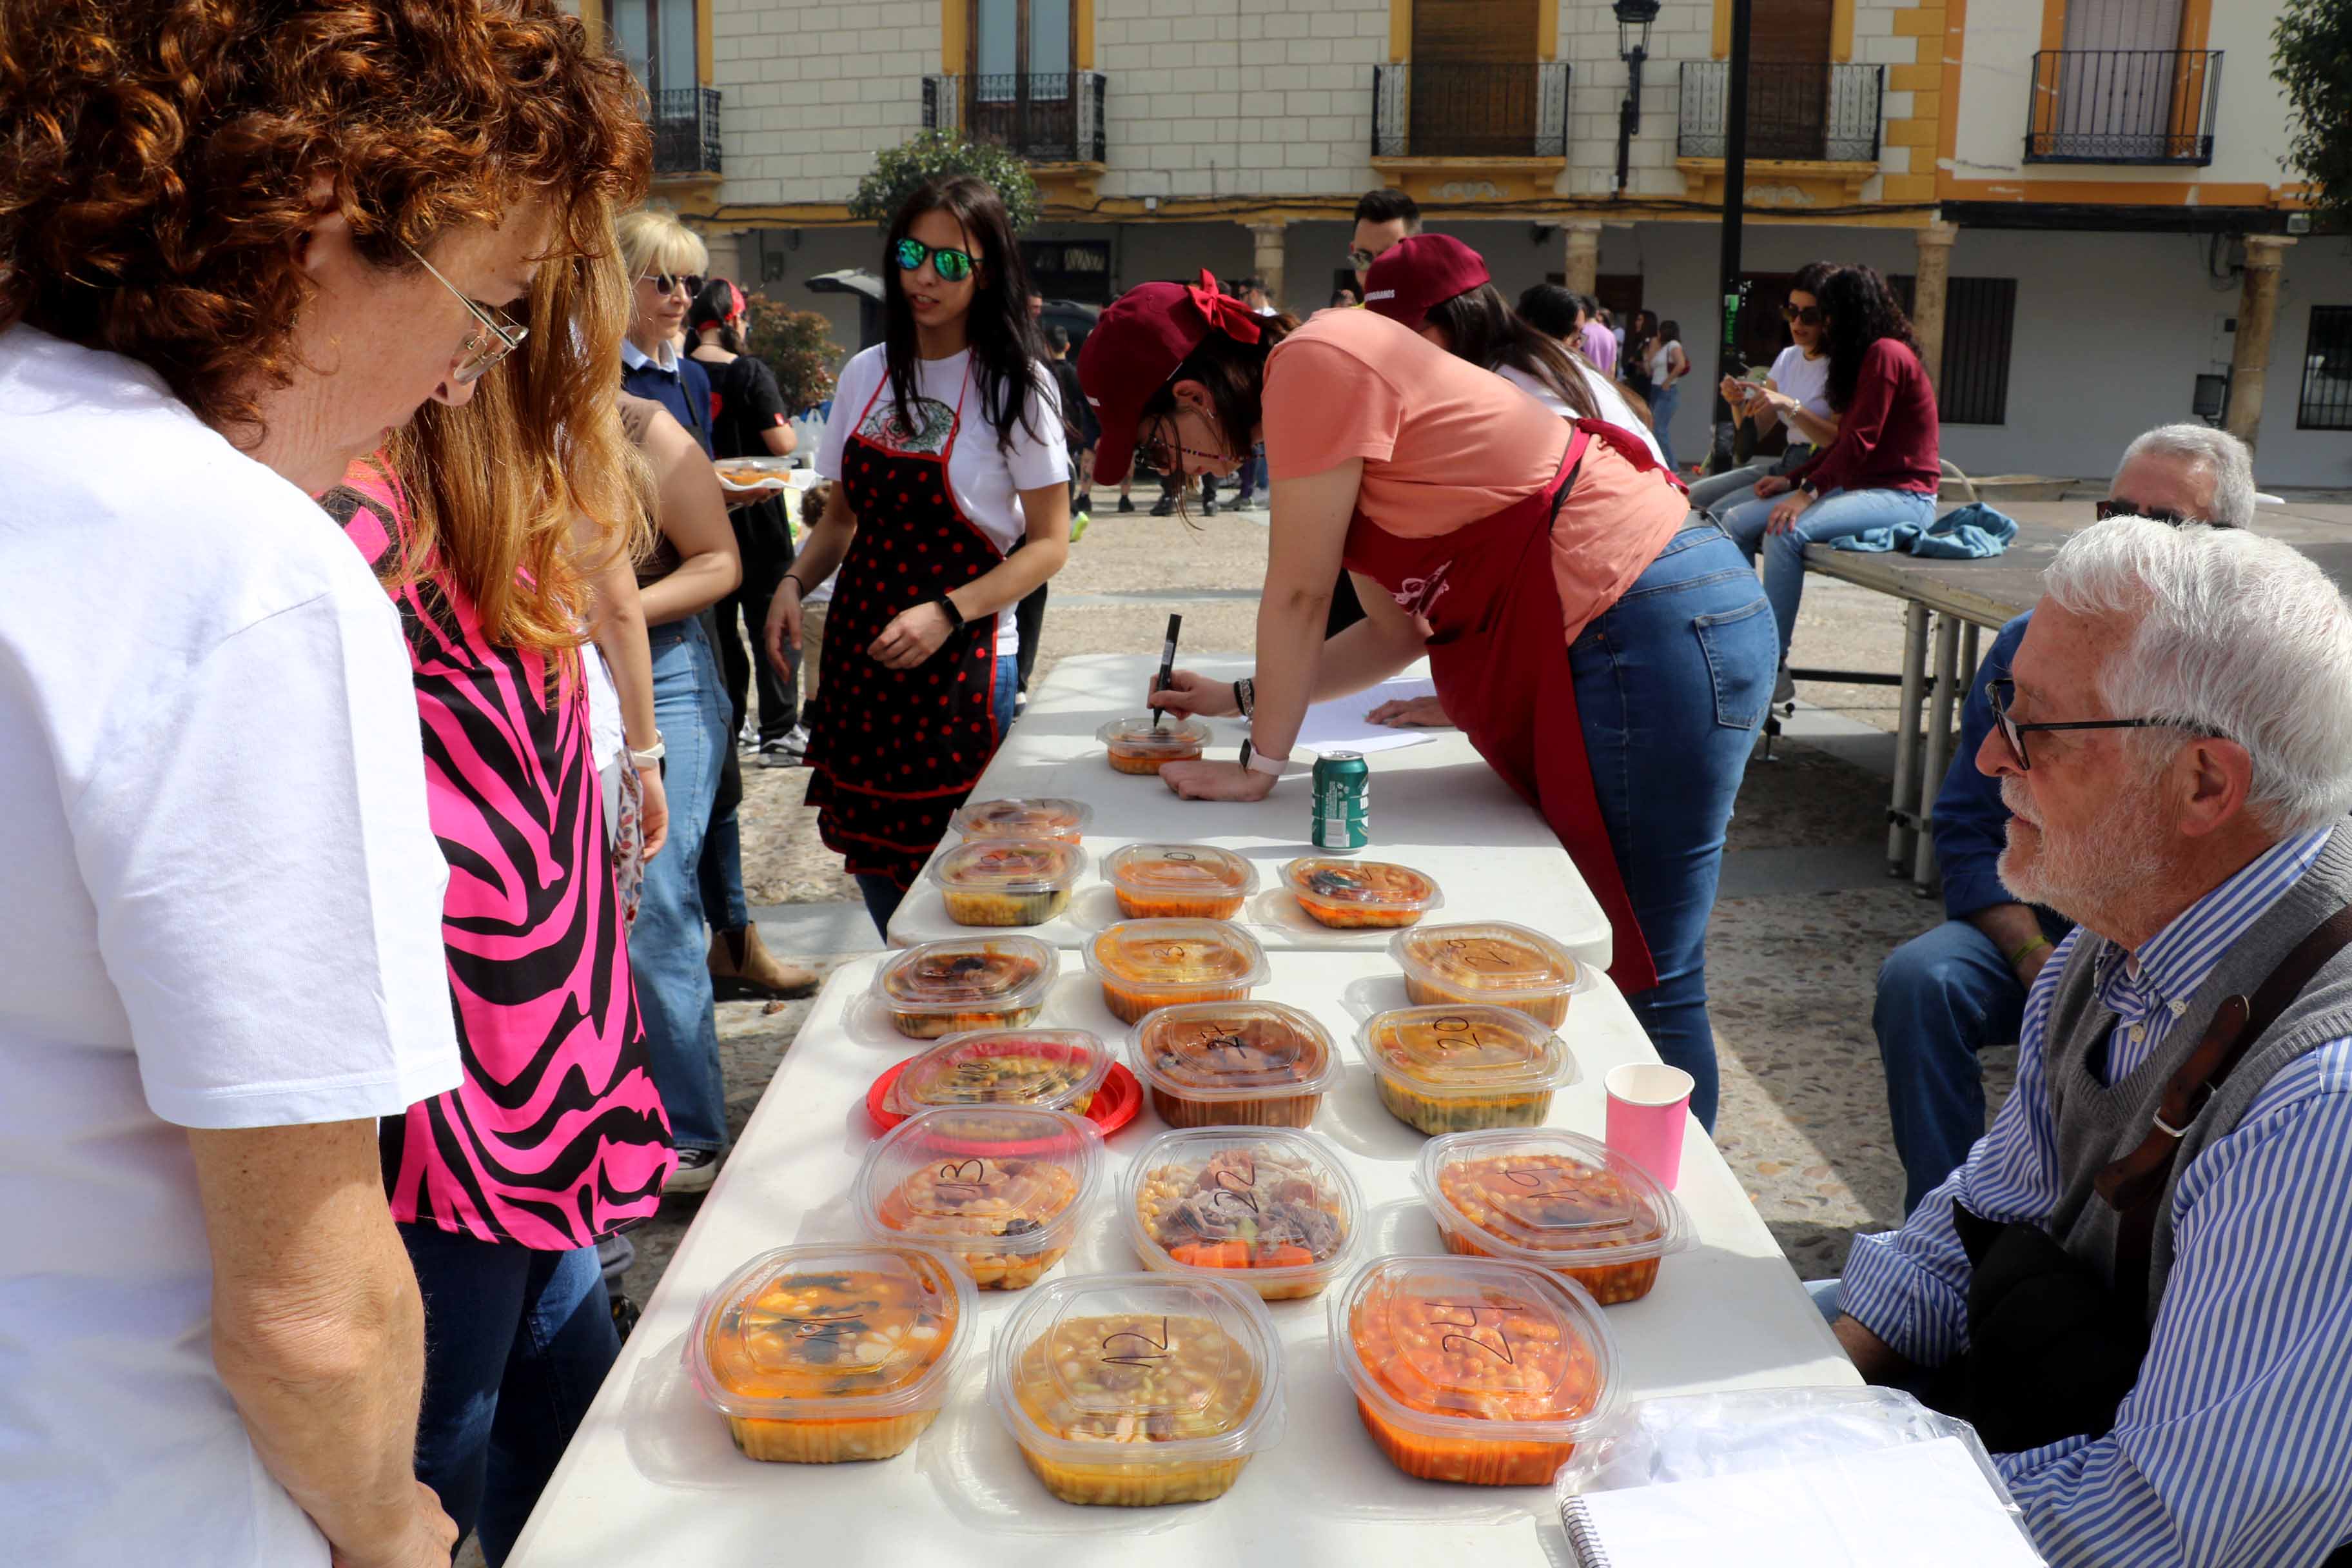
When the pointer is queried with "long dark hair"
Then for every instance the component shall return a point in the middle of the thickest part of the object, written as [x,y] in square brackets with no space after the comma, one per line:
[1235,375]
[1858,310]
[710,309]
[1004,350]
[1481,327]
[1638,335]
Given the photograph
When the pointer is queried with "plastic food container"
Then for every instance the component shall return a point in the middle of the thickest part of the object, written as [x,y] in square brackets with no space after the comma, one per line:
[1555,1200]
[1271,1211]
[1472,1370]
[1179,882]
[1490,962]
[1036,817]
[1007,881]
[1360,894]
[1051,1069]
[999,1188]
[1453,1069]
[821,1354]
[1235,1064]
[1144,964]
[1138,1389]
[1136,747]
[967,983]
[754,473]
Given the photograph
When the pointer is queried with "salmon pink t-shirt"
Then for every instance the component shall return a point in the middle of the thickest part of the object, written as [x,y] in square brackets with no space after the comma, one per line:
[1446,444]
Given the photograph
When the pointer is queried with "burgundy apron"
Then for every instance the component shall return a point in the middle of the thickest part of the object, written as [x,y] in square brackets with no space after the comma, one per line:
[1500,660]
[895,751]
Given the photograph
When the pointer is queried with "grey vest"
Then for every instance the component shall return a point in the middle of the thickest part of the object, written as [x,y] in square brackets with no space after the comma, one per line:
[2098,1123]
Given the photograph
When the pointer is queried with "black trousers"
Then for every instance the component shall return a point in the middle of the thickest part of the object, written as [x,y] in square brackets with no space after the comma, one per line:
[765,543]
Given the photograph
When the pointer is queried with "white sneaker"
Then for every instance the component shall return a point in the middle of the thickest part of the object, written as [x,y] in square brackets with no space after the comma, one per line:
[1784,689]
[791,750]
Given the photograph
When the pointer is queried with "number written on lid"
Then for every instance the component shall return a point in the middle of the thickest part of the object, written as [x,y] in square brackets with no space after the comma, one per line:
[1468,1321]
[967,1178]
[1132,1347]
[1237,1185]
[1455,1033]
[1534,1182]
[828,1330]
[1181,856]
[1487,954]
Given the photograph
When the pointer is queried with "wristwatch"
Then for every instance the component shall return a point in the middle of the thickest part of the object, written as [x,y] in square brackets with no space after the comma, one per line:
[1257,762]
[651,755]
[955,616]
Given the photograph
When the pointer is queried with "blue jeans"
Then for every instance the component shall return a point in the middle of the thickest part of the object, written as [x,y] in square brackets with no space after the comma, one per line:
[1835,516]
[1662,418]
[517,1341]
[668,951]
[1670,683]
[883,895]
[1942,997]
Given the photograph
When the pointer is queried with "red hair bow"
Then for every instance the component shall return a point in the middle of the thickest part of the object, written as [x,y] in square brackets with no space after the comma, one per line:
[1226,313]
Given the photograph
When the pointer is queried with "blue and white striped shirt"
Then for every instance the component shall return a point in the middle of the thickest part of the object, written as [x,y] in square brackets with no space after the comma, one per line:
[2235,1448]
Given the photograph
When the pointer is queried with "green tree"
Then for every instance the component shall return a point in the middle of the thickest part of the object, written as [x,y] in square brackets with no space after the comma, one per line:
[937,154]
[2313,63]
[798,346]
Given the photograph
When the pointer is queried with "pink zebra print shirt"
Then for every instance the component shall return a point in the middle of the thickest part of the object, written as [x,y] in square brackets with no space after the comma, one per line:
[556,1136]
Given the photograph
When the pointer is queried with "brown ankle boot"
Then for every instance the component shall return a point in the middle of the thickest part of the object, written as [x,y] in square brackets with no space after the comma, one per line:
[741,967]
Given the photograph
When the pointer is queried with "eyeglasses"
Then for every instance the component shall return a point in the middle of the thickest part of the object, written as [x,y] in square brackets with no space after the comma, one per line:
[664,282]
[1999,693]
[1362,259]
[1810,315]
[952,266]
[494,337]
[2119,506]
[1161,454]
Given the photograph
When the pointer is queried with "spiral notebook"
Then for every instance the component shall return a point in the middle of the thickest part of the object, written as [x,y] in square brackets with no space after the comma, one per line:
[1923,1505]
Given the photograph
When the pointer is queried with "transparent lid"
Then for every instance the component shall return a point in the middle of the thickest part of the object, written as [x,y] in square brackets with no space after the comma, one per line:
[1370,884]
[1490,959]
[1466,1051]
[1478,1348]
[1048,1068]
[986,1178]
[1552,1197]
[963,972]
[1234,1050]
[830,1332]
[1008,866]
[1172,955]
[1187,1370]
[1179,870]
[1137,736]
[1273,1200]
[1031,817]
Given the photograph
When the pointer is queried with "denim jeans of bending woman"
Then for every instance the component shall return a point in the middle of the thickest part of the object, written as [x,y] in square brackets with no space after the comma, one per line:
[1670,683]
[883,895]
[668,947]
[1837,515]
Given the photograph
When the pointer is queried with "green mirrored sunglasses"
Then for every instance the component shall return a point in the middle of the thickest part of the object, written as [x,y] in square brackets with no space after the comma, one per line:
[952,266]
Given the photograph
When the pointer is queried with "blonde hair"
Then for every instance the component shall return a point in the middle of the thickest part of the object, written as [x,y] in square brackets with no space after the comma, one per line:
[652,239]
[499,487]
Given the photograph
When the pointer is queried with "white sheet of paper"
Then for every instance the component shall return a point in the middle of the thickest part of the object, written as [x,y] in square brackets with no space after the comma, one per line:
[1923,1505]
[1340,726]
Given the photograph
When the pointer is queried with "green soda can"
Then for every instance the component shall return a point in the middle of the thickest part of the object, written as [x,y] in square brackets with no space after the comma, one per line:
[1343,814]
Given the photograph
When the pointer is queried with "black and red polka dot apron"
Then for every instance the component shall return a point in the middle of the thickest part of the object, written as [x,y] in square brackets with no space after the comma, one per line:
[896,751]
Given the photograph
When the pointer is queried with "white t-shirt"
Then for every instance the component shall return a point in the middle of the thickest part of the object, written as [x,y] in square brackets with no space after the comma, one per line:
[1605,396]
[1806,380]
[1662,360]
[220,907]
[606,729]
[987,482]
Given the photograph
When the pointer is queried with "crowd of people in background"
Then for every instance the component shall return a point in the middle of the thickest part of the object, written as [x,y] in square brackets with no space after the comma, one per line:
[368,906]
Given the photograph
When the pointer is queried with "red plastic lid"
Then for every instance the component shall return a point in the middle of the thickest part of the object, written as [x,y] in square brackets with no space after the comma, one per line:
[1114,1103]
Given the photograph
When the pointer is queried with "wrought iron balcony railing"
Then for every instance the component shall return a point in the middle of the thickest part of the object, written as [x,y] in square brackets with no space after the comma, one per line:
[2124,106]
[1804,111]
[685,131]
[1471,108]
[1046,117]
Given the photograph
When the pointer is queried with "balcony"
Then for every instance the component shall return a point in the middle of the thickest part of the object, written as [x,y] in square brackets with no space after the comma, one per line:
[1797,111]
[2124,106]
[686,132]
[1046,117]
[1471,108]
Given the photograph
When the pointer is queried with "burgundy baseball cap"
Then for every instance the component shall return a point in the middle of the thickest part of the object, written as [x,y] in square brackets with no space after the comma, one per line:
[1419,271]
[1137,343]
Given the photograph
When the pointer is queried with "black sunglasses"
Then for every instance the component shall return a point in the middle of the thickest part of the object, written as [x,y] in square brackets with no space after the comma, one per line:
[2122,506]
[1810,315]
[2000,693]
[952,266]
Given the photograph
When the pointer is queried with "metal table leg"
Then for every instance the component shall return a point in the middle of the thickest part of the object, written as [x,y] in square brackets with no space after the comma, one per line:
[1939,754]
[1899,833]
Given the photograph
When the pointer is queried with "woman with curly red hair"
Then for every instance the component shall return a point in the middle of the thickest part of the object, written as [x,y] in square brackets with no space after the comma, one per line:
[239,246]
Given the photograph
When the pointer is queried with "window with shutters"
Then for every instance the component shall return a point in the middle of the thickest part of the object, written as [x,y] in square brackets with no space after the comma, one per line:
[2327,400]
[1979,321]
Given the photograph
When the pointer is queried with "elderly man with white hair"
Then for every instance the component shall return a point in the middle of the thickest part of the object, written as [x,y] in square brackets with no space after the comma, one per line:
[2139,1285]
[1949,993]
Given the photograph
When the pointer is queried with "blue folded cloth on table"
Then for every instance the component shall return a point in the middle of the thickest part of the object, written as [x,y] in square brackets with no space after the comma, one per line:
[1968,532]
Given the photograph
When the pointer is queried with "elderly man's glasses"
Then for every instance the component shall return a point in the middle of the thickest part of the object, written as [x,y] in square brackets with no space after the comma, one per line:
[2123,506]
[2001,693]
[494,336]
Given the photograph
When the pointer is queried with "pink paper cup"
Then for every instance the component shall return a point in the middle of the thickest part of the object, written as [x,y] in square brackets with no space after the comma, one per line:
[1649,1106]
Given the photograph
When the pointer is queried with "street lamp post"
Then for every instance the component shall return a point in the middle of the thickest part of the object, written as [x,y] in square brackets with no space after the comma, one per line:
[1634,19]
[1735,203]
